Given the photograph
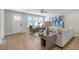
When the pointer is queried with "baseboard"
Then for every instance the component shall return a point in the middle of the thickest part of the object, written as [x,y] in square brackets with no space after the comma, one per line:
[13,33]
[9,34]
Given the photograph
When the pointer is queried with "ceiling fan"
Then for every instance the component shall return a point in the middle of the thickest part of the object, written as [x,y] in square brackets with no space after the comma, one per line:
[43,11]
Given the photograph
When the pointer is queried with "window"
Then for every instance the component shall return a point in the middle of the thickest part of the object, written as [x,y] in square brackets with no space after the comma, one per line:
[38,21]
[30,21]
[17,18]
[34,21]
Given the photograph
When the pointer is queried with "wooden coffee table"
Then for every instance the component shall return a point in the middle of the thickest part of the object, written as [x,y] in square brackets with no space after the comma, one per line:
[48,41]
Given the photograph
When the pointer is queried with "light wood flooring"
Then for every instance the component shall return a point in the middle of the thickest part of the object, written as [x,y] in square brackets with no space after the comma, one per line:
[22,42]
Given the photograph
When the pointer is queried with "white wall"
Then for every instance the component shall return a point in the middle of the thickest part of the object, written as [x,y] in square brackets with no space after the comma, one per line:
[9,18]
[1,24]
[8,21]
[73,21]
[0,21]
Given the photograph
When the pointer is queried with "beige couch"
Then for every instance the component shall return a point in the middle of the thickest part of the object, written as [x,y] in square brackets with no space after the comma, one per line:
[64,35]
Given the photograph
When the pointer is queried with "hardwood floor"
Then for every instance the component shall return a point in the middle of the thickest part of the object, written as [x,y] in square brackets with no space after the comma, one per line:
[23,42]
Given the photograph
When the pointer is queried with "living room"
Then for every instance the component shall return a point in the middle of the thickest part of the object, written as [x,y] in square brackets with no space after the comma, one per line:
[45,24]
[39,29]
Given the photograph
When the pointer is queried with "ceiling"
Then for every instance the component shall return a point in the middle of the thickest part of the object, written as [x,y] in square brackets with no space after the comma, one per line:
[48,11]
[52,11]
[56,11]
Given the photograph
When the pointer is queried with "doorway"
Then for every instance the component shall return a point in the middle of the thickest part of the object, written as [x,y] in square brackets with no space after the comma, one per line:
[16,24]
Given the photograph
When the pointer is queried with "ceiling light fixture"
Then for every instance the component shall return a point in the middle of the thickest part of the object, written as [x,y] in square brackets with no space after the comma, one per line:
[43,11]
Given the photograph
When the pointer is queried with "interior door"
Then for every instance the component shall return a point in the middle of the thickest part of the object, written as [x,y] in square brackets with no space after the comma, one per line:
[24,24]
[16,24]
